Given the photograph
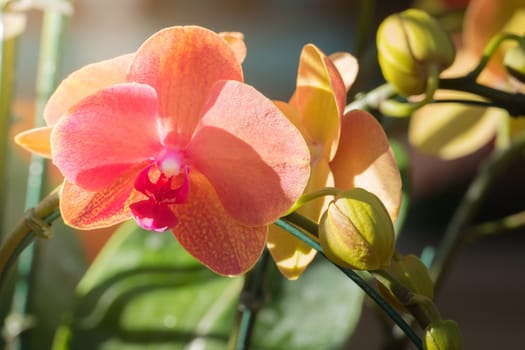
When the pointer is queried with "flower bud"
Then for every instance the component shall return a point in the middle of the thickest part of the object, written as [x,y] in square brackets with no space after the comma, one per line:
[514,61]
[410,45]
[410,271]
[442,335]
[357,232]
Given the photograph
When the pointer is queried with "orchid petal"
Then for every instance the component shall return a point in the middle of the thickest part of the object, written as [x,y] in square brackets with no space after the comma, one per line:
[291,255]
[105,133]
[83,83]
[236,41]
[84,209]
[320,97]
[364,159]
[347,66]
[36,140]
[453,130]
[208,233]
[182,64]
[255,158]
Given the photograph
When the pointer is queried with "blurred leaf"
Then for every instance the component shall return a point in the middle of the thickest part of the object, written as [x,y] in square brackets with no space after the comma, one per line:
[145,292]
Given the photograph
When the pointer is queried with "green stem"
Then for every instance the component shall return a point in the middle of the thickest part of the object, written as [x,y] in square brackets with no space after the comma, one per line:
[251,301]
[26,231]
[469,206]
[47,76]
[514,103]
[422,308]
[305,198]
[507,224]
[489,51]
[7,85]
[282,223]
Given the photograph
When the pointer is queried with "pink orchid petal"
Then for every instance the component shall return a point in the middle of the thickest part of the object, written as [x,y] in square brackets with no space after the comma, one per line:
[85,82]
[364,159]
[320,97]
[208,233]
[105,133]
[236,41]
[254,157]
[182,64]
[84,209]
[36,140]
[153,216]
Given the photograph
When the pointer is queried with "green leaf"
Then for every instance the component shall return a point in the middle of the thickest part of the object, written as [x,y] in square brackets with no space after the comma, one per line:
[145,292]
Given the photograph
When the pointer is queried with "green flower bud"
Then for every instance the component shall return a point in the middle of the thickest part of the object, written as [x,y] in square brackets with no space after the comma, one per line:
[410,271]
[442,335]
[514,61]
[357,232]
[412,45]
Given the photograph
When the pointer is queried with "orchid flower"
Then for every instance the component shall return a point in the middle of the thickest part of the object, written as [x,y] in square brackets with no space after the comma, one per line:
[346,152]
[441,134]
[172,137]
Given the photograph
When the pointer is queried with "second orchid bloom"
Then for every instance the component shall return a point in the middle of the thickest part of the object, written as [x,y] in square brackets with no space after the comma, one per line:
[347,151]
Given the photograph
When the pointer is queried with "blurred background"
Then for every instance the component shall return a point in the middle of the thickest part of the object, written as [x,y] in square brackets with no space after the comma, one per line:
[484,292]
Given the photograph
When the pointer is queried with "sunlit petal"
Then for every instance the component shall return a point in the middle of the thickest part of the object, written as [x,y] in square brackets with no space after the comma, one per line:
[320,97]
[364,159]
[85,82]
[347,66]
[207,232]
[255,158]
[36,140]
[105,133]
[453,130]
[182,64]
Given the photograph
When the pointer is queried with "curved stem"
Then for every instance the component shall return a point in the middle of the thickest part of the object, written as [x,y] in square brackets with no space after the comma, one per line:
[305,198]
[489,51]
[251,300]
[282,223]
[469,206]
[514,103]
[27,230]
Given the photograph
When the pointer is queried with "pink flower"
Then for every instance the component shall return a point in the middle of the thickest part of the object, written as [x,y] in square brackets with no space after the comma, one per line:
[172,137]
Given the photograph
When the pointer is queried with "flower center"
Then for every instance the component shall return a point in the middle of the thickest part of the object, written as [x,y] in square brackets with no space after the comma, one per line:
[164,183]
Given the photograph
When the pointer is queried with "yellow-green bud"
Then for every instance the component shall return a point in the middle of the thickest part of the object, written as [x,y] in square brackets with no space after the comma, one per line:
[410,45]
[410,271]
[442,335]
[514,61]
[357,232]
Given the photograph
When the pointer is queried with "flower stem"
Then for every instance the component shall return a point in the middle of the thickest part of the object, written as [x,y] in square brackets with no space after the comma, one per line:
[251,301]
[509,223]
[282,223]
[469,206]
[7,77]
[50,48]
[305,198]
[34,224]
[489,51]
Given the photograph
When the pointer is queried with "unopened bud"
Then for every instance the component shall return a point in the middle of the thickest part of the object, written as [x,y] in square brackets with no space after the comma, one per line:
[442,335]
[357,232]
[514,61]
[410,45]
[410,271]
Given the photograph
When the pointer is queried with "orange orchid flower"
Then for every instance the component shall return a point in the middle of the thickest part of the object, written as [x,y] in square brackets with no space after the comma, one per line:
[435,129]
[346,152]
[172,137]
